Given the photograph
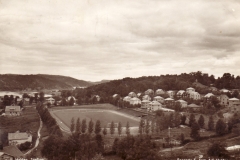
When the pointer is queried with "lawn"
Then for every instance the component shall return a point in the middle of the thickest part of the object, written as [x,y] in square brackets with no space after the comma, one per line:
[105,116]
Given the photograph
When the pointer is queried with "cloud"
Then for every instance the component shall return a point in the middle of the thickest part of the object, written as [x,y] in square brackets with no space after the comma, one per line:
[105,39]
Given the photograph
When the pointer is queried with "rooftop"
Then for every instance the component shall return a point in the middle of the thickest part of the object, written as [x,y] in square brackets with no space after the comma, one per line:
[17,136]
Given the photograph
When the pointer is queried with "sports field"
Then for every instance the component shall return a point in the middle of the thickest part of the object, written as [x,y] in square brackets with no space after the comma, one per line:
[105,116]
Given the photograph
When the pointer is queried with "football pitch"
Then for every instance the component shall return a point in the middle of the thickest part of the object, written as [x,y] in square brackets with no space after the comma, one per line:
[105,117]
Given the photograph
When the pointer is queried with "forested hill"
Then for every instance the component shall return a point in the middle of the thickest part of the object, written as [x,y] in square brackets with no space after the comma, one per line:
[165,82]
[40,81]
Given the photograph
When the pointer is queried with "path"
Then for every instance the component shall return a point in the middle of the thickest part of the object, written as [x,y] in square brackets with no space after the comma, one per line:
[37,141]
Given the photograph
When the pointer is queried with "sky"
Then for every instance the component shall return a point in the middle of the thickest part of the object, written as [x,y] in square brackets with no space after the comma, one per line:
[112,39]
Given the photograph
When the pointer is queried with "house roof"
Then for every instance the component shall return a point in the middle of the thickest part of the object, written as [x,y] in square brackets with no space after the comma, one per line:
[115,95]
[224,90]
[169,99]
[158,90]
[147,101]
[135,99]
[233,99]
[181,101]
[13,150]
[17,136]
[158,97]
[155,103]
[209,95]
[15,108]
[145,96]
[190,88]
[50,99]
[193,106]
[180,92]
[131,93]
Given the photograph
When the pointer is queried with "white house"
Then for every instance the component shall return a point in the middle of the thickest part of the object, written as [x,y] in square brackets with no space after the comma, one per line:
[146,97]
[127,99]
[183,103]
[135,100]
[194,95]
[132,94]
[154,106]
[169,101]
[180,93]
[50,100]
[149,92]
[13,111]
[159,99]
[145,104]
[224,99]
[19,138]
[159,92]
[170,94]
[190,89]
[208,95]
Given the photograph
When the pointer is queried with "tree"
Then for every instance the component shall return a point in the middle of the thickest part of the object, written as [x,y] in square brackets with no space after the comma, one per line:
[195,131]
[220,127]
[182,138]
[183,120]
[84,125]
[153,123]
[147,128]
[98,127]
[78,126]
[217,150]
[71,101]
[141,127]
[104,131]
[90,126]
[127,129]
[41,99]
[119,128]
[201,121]
[112,128]
[191,119]
[210,123]
[72,125]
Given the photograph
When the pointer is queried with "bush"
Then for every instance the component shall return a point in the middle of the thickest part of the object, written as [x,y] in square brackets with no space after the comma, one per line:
[24,146]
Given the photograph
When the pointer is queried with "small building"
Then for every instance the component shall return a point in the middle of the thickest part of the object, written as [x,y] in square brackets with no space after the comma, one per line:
[182,103]
[19,138]
[12,111]
[50,100]
[135,101]
[145,104]
[224,90]
[224,100]
[139,95]
[98,97]
[159,99]
[208,96]
[234,105]
[171,94]
[169,101]
[149,92]
[192,107]
[127,99]
[190,89]
[13,151]
[48,96]
[154,106]
[194,95]
[5,156]
[180,93]
[132,94]
[159,92]
[26,101]
[146,97]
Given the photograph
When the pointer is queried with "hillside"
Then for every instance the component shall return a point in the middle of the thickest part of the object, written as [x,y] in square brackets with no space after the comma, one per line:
[40,81]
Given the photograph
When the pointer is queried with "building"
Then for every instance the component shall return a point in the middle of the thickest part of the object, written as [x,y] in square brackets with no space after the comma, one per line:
[192,107]
[12,111]
[149,92]
[13,151]
[139,94]
[182,103]
[132,94]
[154,106]
[5,156]
[145,104]
[115,96]
[208,96]
[146,97]
[19,138]
[159,92]
[171,94]
[180,93]
[50,100]
[213,89]
[234,105]
[127,99]
[194,95]
[169,101]
[224,100]
[159,99]
[190,89]
[135,101]
[98,97]
[224,90]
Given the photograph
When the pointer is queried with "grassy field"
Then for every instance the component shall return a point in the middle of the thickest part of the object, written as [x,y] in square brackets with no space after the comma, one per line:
[105,116]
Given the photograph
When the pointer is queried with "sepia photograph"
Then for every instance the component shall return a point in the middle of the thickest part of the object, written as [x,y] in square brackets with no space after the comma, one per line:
[119,80]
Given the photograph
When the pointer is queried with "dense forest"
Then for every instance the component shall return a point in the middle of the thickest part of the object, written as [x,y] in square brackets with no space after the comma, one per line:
[165,82]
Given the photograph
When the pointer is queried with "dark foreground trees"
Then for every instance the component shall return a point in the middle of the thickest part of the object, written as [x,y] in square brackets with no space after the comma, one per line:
[217,150]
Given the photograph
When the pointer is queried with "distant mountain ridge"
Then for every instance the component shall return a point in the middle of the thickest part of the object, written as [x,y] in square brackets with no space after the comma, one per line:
[39,81]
